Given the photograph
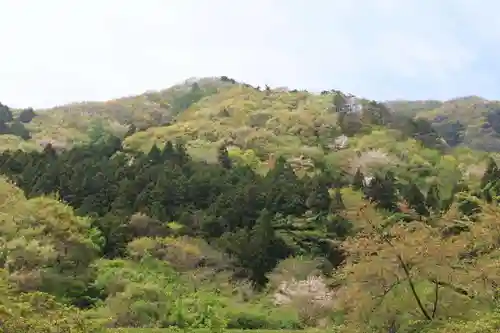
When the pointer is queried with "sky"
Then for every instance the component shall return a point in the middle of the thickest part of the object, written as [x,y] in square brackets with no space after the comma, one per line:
[57,51]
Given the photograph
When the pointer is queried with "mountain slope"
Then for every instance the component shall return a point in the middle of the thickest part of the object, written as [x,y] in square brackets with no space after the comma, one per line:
[206,112]
[293,226]
[470,121]
[70,124]
[247,117]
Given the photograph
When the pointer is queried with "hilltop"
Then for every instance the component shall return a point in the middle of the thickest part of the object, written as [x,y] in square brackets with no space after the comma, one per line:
[71,124]
[208,110]
[469,121]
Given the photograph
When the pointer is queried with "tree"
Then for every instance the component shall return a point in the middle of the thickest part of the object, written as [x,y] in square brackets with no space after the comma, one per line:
[415,199]
[155,153]
[5,114]
[339,102]
[37,312]
[319,197]
[375,113]
[432,199]
[257,251]
[168,151]
[131,130]
[97,132]
[223,157]
[338,225]
[358,181]
[49,248]
[350,123]
[337,203]
[17,128]
[414,271]
[181,154]
[283,190]
[382,191]
[491,174]
[49,151]
[27,115]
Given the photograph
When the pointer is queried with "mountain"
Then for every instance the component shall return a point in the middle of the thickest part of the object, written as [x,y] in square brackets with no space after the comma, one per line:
[207,110]
[470,121]
[216,204]
[67,125]
[330,127]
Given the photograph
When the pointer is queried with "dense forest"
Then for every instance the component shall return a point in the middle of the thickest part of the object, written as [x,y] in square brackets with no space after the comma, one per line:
[388,225]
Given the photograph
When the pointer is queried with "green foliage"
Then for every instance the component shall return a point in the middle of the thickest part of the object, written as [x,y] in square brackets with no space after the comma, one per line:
[5,114]
[149,294]
[184,209]
[97,132]
[36,312]
[26,115]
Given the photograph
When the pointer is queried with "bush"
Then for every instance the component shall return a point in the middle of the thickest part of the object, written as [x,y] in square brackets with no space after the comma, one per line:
[252,320]
[40,313]
[26,115]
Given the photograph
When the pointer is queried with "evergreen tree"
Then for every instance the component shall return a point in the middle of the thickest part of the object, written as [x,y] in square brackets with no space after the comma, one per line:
[337,204]
[416,199]
[26,115]
[223,157]
[154,153]
[257,251]
[168,151]
[319,197]
[456,190]
[4,128]
[358,180]
[5,114]
[382,191]
[285,193]
[181,155]
[17,128]
[49,151]
[490,181]
[432,199]
[338,226]
[491,174]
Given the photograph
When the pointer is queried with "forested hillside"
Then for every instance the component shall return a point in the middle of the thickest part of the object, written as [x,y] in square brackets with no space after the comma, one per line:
[468,121]
[226,206]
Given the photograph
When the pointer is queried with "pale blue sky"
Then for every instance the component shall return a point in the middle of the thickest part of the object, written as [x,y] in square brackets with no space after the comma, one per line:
[58,51]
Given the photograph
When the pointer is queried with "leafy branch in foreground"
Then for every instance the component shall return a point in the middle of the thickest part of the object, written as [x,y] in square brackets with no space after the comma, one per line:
[417,272]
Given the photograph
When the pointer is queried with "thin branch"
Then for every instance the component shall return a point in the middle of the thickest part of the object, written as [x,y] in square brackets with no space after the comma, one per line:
[412,287]
[386,292]
[456,289]
[436,297]
[406,270]
[392,326]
